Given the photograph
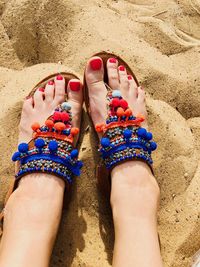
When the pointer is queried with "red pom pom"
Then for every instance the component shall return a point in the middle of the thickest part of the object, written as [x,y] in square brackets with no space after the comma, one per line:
[99,127]
[49,123]
[74,131]
[115,102]
[120,112]
[57,116]
[35,126]
[64,116]
[123,104]
[59,126]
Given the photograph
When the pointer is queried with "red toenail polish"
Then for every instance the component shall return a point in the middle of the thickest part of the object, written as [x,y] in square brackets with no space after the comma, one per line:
[112,60]
[59,77]
[51,83]
[41,89]
[74,86]
[130,77]
[121,68]
[96,64]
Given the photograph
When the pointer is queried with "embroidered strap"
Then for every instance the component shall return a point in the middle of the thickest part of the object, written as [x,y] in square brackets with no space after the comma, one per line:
[123,137]
[51,150]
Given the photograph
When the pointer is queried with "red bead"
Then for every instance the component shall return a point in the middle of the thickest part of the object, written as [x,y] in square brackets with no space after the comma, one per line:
[57,116]
[115,102]
[123,104]
[64,116]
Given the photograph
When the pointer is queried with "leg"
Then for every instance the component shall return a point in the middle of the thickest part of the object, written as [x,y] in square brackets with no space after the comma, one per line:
[33,211]
[135,193]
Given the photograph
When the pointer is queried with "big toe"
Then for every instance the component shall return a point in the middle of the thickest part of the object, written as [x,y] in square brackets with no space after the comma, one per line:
[94,74]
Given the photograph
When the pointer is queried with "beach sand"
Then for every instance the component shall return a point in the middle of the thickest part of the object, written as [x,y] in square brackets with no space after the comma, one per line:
[160,40]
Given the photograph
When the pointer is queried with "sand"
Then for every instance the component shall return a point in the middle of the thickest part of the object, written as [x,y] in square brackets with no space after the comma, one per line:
[161,42]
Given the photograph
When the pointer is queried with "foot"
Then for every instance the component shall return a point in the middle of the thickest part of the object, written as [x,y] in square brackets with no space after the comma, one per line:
[44,101]
[134,191]
[118,79]
[28,220]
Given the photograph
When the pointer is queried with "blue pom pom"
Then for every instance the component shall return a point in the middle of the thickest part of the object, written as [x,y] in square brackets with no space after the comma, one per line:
[127,133]
[16,156]
[105,142]
[39,143]
[74,153]
[79,164]
[53,146]
[153,146]
[23,147]
[142,132]
[116,93]
[149,136]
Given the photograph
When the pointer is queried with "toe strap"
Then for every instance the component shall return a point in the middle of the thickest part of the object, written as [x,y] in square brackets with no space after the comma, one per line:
[123,137]
[51,150]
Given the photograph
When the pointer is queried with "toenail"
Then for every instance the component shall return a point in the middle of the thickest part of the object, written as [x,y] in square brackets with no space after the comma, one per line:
[130,77]
[41,89]
[59,77]
[74,86]
[112,60]
[96,64]
[121,68]
[28,97]
[51,82]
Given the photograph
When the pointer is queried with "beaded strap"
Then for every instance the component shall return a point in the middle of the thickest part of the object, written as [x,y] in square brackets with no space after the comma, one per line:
[123,137]
[51,149]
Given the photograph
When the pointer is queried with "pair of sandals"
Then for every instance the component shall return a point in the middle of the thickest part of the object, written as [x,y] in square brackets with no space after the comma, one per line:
[52,151]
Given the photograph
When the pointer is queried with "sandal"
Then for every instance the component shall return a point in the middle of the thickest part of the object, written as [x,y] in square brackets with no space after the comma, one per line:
[123,138]
[51,150]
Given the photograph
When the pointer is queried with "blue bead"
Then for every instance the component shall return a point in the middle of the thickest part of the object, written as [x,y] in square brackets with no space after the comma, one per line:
[16,156]
[116,93]
[23,147]
[127,133]
[39,143]
[105,142]
[142,132]
[153,146]
[149,136]
[66,105]
[53,146]
[74,153]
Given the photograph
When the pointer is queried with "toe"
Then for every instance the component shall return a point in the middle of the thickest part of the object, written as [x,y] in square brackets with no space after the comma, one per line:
[141,94]
[49,92]
[75,99]
[97,90]
[28,104]
[113,77]
[59,89]
[38,97]
[124,82]
[133,88]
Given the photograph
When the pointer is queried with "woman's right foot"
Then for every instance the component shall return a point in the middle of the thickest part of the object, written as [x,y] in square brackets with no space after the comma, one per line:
[134,190]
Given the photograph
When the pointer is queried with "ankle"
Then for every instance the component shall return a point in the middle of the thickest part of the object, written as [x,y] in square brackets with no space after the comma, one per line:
[135,192]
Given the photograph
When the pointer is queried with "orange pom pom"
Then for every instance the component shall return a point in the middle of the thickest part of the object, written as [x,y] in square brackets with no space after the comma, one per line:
[141,116]
[128,112]
[99,127]
[49,123]
[120,112]
[59,126]
[35,126]
[74,131]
